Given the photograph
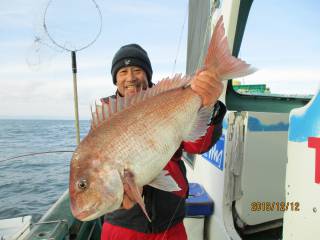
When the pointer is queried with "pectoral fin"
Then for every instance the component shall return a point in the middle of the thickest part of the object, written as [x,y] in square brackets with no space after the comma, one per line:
[165,182]
[200,126]
[133,191]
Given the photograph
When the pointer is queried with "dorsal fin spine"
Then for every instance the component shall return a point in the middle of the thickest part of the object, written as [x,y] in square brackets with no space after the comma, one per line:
[116,105]
[92,114]
[144,96]
[103,113]
[105,107]
[111,104]
[97,113]
[119,100]
[109,109]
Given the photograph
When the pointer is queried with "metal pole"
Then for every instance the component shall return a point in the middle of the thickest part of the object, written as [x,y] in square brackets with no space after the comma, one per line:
[75,94]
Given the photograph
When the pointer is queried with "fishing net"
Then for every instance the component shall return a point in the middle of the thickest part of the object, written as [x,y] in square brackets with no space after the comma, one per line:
[61,25]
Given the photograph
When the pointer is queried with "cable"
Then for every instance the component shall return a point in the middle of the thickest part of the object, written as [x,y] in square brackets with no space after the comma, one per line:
[180,39]
[36,153]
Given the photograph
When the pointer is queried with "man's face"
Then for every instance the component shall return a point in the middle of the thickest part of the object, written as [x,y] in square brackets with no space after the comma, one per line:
[131,80]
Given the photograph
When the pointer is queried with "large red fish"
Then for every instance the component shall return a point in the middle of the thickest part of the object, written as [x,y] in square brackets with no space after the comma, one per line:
[133,138]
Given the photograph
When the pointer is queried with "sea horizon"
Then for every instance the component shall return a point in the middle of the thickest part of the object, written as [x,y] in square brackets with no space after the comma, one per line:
[31,184]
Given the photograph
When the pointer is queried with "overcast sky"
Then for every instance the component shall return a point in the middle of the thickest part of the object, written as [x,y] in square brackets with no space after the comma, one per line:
[282,40]
[36,78]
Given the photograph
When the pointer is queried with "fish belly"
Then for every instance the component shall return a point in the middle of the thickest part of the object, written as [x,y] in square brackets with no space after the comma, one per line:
[150,132]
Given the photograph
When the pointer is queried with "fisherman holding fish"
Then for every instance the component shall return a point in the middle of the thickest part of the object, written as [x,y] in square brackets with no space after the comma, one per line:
[132,72]
[129,166]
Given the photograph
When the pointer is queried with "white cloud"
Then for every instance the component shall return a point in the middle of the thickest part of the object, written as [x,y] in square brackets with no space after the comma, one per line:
[45,98]
[55,98]
[150,8]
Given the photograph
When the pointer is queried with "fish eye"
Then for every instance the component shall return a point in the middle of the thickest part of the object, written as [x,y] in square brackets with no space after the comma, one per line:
[83,184]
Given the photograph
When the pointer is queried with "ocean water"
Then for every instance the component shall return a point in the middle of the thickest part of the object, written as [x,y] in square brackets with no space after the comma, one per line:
[30,185]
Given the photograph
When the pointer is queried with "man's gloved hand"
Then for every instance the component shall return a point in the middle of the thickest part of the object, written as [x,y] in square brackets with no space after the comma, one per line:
[208,86]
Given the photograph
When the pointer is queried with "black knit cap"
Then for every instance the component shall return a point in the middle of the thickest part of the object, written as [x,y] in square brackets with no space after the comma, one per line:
[131,55]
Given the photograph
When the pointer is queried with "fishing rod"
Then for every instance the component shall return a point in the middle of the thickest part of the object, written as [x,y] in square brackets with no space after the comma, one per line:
[35,153]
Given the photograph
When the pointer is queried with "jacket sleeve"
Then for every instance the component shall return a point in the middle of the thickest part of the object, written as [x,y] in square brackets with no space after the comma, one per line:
[214,132]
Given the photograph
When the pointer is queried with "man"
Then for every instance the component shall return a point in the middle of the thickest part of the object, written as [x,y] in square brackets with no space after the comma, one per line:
[131,71]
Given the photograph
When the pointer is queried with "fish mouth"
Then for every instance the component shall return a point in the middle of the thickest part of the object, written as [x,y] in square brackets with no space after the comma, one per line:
[90,213]
[88,216]
[94,210]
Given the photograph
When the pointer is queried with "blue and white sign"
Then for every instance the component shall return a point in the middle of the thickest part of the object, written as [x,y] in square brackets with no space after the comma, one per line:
[216,154]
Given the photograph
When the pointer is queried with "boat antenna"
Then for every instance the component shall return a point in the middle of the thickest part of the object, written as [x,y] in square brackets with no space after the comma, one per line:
[73,49]
[35,153]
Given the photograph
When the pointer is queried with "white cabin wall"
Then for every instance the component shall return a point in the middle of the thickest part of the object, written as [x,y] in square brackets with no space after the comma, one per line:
[262,178]
[302,217]
[204,172]
[211,178]
[229,10]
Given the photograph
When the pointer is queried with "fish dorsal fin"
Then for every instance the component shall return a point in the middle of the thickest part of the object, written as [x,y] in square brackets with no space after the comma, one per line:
[162,86]
[103,110]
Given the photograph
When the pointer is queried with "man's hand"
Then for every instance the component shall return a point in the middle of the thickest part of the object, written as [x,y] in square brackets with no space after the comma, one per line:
[208,86]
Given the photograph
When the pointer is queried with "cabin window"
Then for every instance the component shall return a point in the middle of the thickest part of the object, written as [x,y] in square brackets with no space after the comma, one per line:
[281,39]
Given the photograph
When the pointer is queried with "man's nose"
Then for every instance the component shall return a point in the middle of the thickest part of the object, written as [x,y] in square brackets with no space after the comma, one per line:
[130,76]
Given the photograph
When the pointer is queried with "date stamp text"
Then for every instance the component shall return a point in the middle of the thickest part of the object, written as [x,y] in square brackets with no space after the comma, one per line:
[275,206]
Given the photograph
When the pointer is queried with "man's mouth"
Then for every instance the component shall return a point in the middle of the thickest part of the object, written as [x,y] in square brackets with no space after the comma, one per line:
[131,86]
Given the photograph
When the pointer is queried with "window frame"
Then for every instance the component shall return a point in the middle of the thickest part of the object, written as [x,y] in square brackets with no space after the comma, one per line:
[260,103]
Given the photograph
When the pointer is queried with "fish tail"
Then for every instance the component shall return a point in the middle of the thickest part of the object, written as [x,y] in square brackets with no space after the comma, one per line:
[219,58]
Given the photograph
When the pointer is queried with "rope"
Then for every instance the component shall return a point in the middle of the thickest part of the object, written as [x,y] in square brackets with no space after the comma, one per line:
[180,39]
[175,212]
